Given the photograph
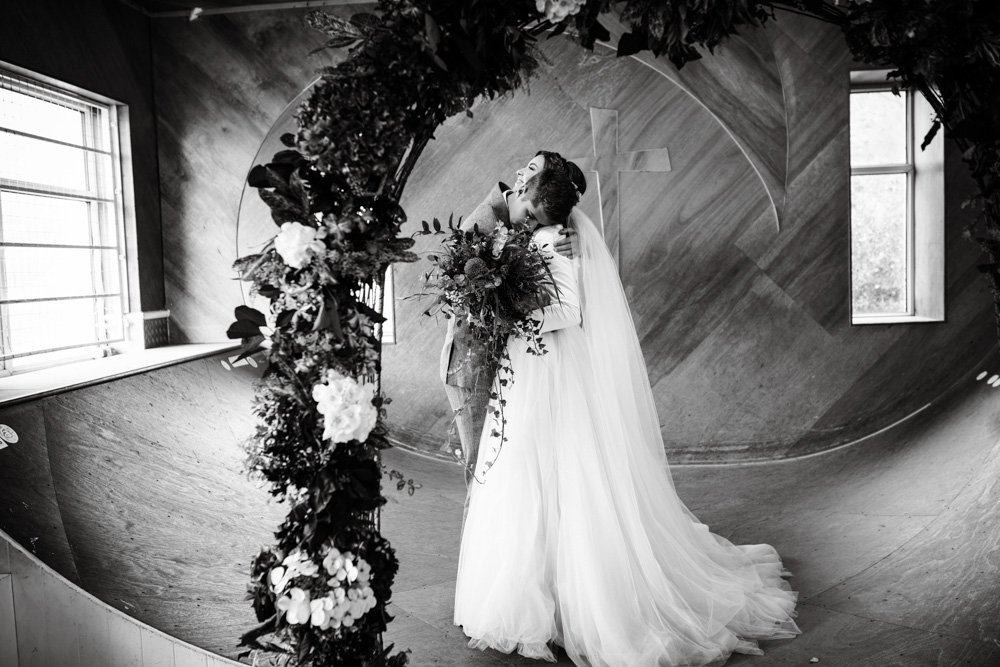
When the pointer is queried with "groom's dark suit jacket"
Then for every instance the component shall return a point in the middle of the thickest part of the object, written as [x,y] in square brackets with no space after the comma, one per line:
[462,357]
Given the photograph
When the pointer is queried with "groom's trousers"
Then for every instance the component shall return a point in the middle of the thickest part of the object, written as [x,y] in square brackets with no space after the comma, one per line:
[471,406]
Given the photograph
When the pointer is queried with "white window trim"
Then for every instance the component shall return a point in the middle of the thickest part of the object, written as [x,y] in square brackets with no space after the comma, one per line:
[124,206]
[925,261]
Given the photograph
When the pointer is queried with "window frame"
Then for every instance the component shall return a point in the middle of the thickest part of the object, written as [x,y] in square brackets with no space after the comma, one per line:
[110,117]
[925,208]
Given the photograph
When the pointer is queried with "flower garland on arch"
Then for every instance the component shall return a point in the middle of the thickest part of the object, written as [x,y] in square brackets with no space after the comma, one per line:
[322,590]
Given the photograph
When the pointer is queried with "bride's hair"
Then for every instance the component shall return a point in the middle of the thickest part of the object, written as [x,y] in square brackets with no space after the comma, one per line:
[557,162]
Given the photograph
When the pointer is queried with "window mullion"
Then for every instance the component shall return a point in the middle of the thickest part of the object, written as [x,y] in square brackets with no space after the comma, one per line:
[44,191]
[50,140]
[5,347]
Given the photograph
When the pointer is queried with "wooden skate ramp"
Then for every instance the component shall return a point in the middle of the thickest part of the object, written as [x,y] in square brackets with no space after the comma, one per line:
[893,541]
[134,490]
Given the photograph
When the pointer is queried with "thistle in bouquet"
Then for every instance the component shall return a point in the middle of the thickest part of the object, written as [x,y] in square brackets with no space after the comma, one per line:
[493,282]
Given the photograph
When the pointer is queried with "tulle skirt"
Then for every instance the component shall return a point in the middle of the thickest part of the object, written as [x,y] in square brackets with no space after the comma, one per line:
[574,540]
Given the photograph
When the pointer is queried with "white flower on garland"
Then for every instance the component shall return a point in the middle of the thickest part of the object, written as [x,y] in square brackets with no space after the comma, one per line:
[322,612]
[296,242]
[557,10]
[296,606]
[295,564]
[346,406]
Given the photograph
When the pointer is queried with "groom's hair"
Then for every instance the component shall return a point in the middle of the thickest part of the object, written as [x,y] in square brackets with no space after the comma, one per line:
[554,191]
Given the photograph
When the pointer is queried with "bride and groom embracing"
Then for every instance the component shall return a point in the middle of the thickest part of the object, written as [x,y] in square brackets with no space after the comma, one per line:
[574,534]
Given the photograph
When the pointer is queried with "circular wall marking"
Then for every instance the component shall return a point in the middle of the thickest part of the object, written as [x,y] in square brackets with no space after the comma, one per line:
[7,434]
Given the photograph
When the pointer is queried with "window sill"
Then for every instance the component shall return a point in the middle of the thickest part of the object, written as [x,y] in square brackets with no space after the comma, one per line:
[894,319]
[38,384]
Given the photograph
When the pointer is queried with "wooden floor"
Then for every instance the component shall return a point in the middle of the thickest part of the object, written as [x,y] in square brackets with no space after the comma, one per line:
[134,490]
[893,542]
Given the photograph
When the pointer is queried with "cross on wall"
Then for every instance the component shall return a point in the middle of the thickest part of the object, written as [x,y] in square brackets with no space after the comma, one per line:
[609,163]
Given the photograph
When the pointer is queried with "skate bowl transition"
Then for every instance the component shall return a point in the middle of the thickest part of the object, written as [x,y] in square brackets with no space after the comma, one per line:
[133,490]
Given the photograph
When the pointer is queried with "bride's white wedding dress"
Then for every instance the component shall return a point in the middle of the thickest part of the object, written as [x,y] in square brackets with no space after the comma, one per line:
[576,535]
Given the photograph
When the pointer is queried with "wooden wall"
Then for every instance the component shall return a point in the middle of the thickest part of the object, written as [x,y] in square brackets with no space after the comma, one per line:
[102,46]
[735,259]
[221,82]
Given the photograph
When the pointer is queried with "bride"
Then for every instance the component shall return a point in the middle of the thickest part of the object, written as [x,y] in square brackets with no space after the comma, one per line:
[575,535]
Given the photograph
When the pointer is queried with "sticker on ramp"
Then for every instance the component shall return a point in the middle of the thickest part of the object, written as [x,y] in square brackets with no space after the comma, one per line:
[7,436]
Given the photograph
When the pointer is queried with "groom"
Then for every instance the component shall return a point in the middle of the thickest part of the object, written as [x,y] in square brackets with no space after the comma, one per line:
[466,381]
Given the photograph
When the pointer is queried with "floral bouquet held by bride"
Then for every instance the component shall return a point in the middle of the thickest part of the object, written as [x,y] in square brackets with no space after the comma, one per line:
[493,282]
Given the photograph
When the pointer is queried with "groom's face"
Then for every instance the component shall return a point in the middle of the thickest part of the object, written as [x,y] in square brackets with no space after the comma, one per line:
[522,209]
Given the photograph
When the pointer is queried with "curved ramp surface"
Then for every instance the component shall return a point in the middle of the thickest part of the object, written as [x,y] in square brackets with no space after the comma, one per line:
[134,490]
[894,542]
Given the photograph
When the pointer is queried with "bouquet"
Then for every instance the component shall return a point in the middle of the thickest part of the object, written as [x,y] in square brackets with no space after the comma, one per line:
[494,282]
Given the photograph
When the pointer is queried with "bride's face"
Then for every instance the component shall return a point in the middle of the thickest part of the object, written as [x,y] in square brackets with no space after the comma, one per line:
[526,172]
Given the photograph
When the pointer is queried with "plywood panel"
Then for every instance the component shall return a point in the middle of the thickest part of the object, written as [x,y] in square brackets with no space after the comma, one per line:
[8,630]
[95,637]
[124,642]
[221,82]
[29,601]
[157,650]
[186,657]
[125,457]
[26,489]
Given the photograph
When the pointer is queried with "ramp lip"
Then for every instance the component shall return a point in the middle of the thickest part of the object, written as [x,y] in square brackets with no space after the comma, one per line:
[34,385]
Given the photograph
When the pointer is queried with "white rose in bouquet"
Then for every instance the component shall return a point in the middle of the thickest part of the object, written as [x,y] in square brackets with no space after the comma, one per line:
[295,242]
[557,10]
[500,240]
[346,406]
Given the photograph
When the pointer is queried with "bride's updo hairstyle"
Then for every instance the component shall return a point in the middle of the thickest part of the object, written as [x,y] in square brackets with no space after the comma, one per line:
[557,162]
[557,187]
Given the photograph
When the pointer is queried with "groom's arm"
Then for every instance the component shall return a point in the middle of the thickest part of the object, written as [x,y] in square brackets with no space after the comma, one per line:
[564,244]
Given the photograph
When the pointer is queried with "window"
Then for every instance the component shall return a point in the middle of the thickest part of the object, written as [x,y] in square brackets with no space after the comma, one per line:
[62,290]
[386,331]
[897,205]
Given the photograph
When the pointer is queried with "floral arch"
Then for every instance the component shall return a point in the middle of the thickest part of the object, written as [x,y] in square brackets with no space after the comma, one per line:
[321,591]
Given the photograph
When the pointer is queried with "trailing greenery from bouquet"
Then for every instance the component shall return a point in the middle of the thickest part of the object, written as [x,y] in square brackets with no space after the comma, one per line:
[321,591]
[493,282]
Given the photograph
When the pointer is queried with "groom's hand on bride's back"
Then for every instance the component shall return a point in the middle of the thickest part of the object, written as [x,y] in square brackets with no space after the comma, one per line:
[564,243]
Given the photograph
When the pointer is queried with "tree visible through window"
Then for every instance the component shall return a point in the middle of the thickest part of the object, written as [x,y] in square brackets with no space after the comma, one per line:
[896,255]
[880,208]
[61,245]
